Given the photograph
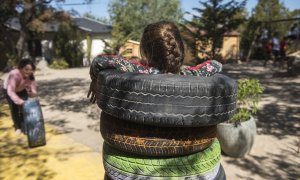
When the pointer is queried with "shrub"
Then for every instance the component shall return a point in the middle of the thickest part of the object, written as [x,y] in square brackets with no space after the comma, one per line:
[249,92]
[59,63]
[67,44]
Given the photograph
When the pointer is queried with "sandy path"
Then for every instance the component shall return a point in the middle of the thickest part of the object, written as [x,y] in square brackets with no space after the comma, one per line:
[65,106]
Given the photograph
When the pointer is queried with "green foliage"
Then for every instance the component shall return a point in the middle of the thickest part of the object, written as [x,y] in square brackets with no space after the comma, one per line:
[59,63]
[12,59]
[295,13]
[7,10]
[8,59]
[249,34]
[7,45]
[268,10]
[249,92]
[32,15]
[263,14]
[99,19]
[214,20]
[67,44]
[130,17]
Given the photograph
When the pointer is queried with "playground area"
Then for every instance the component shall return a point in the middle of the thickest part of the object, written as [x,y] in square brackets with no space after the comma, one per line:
[74,143]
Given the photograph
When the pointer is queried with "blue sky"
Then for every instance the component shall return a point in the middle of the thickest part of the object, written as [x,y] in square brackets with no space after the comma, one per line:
[99,7]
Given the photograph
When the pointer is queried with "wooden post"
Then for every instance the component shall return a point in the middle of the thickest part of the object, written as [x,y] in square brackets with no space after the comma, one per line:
[89,47]
[252,44]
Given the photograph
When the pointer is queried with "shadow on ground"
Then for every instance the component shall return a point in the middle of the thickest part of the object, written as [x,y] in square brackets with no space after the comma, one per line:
[69,95]
[55,91]
[280,114]
[21,161]
[274,168]
[18,161]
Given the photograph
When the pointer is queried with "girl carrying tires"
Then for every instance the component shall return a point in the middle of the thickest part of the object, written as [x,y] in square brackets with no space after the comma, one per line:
[163,51]
[18,86]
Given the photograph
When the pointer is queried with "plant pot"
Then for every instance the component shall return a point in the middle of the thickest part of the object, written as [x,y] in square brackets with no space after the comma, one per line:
[237,140]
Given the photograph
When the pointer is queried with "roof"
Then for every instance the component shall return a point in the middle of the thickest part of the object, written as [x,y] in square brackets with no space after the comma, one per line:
[85,24]
[90,25]
[232,33]
[14,23]
[134,42]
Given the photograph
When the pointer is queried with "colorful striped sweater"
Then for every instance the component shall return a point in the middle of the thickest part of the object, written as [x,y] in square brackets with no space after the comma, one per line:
[101,62]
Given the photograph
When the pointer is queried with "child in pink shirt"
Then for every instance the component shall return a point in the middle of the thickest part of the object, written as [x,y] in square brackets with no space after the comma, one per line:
[18,86]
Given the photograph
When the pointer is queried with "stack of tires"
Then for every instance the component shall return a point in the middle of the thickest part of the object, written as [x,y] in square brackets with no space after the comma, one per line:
[163,126]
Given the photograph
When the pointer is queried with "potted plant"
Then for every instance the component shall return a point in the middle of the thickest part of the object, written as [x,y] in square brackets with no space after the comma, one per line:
[237,135]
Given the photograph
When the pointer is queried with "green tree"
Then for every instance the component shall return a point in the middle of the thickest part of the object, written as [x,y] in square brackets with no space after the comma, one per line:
[206,30]
[295,13]
[267,11]
[265,17]
[130,17]
[7,43]
[32,15]
[67,44]
[249,35]
[103,20]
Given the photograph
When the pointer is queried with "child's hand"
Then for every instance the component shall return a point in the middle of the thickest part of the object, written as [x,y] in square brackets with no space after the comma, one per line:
[92,92]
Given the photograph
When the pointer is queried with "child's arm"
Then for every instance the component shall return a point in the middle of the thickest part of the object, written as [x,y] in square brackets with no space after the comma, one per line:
[13,80]
[102,62]
[32,91]
[205,69]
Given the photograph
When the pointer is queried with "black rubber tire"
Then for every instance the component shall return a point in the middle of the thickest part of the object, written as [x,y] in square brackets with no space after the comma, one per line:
[221,174]
[153,140]
[197,164]
[107,177]
[34,123]
[167,99]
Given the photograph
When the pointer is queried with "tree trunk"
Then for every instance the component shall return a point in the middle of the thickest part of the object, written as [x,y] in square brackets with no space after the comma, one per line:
[89,48]
[252,44]
[21,43]
[25,17]
[213,49]
[7,37]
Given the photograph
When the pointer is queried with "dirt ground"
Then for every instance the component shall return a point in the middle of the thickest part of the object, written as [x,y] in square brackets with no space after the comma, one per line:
[273,156]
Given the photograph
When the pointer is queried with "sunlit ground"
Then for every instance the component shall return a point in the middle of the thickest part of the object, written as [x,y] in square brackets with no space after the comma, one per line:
[61,158]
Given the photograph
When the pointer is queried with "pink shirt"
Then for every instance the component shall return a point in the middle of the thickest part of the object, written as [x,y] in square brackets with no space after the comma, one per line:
[15,83]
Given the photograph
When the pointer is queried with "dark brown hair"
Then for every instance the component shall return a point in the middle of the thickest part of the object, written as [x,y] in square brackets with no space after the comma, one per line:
[25,62]
[162,46]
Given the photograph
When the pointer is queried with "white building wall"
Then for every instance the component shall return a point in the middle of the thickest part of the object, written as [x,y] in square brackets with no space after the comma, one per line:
[97,48]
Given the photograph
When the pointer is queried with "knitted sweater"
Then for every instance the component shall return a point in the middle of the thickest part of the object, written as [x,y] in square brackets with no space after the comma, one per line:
[101,62]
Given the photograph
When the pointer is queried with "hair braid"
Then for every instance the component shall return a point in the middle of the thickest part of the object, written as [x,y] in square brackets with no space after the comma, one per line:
[162,45]
[174,57]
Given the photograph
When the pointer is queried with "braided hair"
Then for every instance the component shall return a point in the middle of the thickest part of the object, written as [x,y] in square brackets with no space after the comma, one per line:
[162,47]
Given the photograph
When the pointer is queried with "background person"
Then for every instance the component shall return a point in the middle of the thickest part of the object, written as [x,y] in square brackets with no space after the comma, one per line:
[283,49]
[275,49]
[267,49]
[18,86]
[294,32]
